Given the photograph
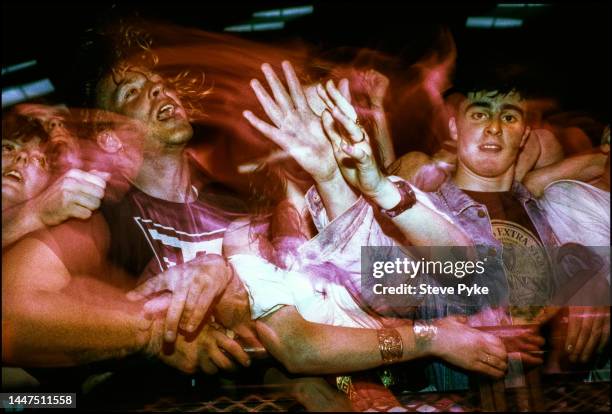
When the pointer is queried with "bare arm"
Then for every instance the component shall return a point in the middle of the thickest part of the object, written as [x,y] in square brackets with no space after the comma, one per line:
[310,348]
[584,167]
[75,194]
[376,85]
[46,322]
[383,136]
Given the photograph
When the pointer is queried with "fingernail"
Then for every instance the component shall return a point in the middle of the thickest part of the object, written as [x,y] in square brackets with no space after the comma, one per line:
[169,336]
[191,327]
[569,348]
[248,363]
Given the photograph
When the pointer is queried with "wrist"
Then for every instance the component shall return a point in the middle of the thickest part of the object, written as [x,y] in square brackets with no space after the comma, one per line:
[333,177]
[150,341]
[390,345]
[426,336]
[386,195]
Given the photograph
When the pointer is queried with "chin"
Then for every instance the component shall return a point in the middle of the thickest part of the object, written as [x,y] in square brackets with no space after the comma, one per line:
[179,134]
[10,199]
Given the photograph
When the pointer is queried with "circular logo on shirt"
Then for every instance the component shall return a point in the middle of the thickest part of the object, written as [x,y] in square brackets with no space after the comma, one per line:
[526,266]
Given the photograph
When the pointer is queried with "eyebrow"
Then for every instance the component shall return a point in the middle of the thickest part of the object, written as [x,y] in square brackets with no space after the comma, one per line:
[504,107]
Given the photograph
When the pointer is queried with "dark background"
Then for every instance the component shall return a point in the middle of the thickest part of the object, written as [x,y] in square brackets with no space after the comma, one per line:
[562,49]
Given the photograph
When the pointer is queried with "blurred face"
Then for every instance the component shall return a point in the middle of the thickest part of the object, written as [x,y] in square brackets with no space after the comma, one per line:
[490,130]
[62,145]
[24,170]
[143,96]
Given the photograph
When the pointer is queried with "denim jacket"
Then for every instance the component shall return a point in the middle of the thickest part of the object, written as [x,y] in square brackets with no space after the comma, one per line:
[339,241]
[475,221]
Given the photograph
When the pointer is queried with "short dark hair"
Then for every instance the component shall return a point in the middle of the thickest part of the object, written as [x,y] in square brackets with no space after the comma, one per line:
[20,127]
[491,77]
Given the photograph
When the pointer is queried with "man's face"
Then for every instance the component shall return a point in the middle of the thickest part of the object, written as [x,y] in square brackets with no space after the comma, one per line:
[490,130]
[142,95]
[24,170]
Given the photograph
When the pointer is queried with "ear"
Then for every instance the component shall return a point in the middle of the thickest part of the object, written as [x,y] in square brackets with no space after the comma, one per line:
[525,136]
[109,142]
[452,128]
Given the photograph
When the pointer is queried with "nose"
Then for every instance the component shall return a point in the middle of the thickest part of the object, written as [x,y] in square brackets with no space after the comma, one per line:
[494,127]
[156,89]
[22,158]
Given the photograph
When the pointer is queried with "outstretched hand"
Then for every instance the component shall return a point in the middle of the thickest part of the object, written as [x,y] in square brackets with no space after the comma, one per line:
[296,128]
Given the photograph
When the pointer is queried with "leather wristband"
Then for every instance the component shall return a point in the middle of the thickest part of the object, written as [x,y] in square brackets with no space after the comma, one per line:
[407,200]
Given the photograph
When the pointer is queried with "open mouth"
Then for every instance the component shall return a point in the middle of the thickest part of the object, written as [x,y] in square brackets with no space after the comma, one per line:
[166,112]
[490,147]
[13,175]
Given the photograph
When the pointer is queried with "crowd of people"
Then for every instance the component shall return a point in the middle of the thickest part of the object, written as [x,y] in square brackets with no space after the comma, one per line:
[117,253]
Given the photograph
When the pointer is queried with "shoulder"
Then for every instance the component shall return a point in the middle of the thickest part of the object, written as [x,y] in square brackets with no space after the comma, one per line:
[245,235]
[81,245]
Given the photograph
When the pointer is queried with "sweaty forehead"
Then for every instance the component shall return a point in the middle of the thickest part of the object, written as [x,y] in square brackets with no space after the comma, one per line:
[120,74]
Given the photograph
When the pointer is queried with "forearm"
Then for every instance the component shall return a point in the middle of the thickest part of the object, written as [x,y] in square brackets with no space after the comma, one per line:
[420,224]
[584,167]
[383,137]
[55,329]
[337,196]
[310,348]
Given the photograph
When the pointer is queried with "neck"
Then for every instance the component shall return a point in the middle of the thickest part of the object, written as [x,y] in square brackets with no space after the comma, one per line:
[466,179]
[166,176]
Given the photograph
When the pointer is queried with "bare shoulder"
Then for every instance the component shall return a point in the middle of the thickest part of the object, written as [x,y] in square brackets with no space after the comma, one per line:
[31,264]
[244,235]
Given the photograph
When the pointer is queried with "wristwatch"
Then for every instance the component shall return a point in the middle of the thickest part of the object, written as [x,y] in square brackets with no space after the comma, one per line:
[407,200]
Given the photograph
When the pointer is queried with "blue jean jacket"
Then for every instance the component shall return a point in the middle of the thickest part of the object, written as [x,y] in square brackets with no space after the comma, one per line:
[475,221]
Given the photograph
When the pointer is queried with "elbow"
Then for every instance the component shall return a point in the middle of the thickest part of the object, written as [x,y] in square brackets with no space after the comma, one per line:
[299,357]
[296,363]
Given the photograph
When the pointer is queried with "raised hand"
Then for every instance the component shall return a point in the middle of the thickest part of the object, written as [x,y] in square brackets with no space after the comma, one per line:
[296,128]
[351,144]
[375,85]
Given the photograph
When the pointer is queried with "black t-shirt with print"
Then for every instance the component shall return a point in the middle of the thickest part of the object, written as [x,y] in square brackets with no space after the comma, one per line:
[525,259]
[510,222]
[150,235]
